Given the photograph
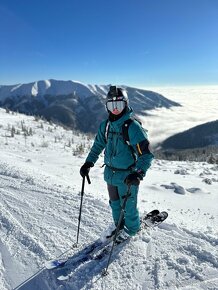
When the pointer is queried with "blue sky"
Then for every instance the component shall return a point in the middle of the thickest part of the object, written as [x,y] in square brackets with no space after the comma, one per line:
[133,42]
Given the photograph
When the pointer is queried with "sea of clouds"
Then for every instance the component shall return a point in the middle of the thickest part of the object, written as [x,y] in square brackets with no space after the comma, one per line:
[199,105]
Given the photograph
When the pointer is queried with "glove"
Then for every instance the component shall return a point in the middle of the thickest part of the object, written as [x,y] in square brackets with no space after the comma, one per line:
[133,178]
[84,170]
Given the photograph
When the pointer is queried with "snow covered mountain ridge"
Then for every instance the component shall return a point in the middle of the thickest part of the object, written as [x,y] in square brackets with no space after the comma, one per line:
[50,87]
[73,103]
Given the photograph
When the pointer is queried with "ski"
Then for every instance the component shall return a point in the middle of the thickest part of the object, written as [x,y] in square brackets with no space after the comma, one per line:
[151,219]
[155,219]
[94,257]
[80,256]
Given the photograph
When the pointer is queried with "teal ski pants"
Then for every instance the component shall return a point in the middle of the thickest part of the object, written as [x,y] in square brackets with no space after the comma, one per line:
[131,222]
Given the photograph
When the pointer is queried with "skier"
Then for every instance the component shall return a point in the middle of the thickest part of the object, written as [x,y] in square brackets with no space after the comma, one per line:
[126,162]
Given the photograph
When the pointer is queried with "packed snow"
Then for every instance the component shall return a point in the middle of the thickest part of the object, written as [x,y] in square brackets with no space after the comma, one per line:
[40,189]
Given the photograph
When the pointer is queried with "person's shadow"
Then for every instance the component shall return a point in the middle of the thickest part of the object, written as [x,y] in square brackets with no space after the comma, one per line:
[82,274]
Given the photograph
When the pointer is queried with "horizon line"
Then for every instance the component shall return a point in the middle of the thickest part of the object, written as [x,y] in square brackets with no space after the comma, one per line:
[142,86]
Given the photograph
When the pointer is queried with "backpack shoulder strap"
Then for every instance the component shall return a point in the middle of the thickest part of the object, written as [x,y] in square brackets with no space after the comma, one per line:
[125,129]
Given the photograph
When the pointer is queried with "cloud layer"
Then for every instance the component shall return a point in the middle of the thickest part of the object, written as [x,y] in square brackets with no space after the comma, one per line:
[199,105]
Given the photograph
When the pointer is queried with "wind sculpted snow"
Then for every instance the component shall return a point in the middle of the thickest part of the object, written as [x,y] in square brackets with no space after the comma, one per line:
[39,206]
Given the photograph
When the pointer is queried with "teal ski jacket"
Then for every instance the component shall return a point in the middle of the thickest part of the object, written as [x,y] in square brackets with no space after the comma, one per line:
[118,156]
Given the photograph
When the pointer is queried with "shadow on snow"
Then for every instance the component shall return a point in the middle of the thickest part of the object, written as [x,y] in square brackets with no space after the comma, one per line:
[82,274]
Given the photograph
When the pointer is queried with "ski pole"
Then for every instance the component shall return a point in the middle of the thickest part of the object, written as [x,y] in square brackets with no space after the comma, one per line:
[81,203]
[104,273]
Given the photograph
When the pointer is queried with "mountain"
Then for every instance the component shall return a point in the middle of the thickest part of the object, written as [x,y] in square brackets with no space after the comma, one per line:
[72,103]
[199,143]
[200,136]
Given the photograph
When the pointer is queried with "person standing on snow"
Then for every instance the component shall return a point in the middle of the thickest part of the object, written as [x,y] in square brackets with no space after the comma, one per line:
[125,164]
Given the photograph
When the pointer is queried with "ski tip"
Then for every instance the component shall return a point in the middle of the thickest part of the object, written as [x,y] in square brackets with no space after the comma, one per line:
[164,213]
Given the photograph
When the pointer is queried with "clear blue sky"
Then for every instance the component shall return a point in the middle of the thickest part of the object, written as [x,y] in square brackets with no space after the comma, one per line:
[132,42]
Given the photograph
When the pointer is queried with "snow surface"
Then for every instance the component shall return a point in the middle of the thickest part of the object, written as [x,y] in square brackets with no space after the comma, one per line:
[39,206]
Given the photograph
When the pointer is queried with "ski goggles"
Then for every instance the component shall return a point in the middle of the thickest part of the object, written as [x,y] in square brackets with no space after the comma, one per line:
[112,105]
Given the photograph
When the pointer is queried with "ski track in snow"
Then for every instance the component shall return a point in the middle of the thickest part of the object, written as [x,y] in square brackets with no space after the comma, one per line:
[150,261]
[39,209]
[160,268]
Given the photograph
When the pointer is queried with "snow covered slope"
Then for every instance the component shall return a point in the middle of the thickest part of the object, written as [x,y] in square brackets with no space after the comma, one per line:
[72,103]
[39,189]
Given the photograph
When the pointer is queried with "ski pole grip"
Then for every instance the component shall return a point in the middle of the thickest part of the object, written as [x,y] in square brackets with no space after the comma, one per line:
[88,179]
